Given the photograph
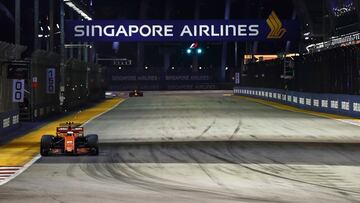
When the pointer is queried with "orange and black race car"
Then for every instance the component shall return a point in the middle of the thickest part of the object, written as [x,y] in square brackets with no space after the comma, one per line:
[136,93]
[69,139]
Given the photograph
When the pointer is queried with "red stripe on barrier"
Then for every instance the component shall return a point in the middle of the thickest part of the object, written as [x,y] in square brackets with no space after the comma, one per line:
[9,169]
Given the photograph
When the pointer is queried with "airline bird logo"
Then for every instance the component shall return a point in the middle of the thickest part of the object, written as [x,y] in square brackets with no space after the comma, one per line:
[277,31]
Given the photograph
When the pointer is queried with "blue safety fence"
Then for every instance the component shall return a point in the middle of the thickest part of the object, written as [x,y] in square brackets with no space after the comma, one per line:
[9,121]
[341,104]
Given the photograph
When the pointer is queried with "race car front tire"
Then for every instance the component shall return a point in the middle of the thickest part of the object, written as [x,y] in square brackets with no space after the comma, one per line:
[93,143]
[45,144]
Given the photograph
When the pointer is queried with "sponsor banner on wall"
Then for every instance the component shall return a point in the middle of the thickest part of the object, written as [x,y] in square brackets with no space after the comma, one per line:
[18,90]
[188,78]
[50,81]
[158,78]
[272,28]
[17,71]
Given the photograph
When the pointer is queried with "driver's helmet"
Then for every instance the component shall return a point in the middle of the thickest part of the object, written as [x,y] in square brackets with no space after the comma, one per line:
[70,133]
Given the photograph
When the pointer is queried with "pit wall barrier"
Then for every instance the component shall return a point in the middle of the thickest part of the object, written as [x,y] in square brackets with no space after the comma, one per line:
[44,104]
[45,110]
[341,104]
[9,111]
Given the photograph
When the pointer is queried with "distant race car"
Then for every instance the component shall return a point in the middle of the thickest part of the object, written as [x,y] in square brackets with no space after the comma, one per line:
[69,139]
[136,93]
[110,95]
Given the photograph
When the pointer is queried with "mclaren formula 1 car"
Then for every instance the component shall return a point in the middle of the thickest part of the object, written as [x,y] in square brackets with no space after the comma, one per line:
[136,93]
[69,139]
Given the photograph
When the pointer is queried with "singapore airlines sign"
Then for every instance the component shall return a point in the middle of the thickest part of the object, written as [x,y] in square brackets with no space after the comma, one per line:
[182,30]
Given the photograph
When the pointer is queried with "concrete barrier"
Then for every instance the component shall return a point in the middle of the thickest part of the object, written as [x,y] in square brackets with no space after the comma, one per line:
[341,104]
[9,121]
[9,111]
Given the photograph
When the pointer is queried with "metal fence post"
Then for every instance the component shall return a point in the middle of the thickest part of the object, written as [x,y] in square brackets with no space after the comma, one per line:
[17,22]
[36,24]
[62,55]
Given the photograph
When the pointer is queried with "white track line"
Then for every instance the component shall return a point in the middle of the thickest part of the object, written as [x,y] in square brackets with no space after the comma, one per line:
[37,157]
[348,121]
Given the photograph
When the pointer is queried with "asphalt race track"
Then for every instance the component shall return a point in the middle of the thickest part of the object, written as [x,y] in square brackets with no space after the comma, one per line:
[201,147]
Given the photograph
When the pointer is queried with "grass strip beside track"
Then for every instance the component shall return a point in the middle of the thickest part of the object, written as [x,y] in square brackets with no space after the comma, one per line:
[21,150]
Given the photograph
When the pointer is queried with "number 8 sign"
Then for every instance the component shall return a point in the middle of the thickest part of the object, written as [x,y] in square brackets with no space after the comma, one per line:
[18,91]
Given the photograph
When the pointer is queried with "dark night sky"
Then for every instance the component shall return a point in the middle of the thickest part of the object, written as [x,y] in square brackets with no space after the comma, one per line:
[156,9]
[184,9]
[115,9]
[177,10]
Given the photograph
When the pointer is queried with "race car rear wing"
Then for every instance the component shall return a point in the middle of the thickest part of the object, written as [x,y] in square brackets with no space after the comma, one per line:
[66,129]
[72,124]
[79,131]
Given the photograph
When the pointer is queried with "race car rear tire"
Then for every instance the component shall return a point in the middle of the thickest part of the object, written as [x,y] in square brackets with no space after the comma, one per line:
[45,144]
[93,143]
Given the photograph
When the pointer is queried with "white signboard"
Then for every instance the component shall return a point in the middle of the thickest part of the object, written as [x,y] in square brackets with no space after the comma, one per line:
[50,81]
[237,78]
[18,90]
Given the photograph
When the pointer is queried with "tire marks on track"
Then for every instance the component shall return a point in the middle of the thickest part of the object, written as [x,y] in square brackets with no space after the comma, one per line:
[131,174]
[236,130]
[146,166]
[207,129]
